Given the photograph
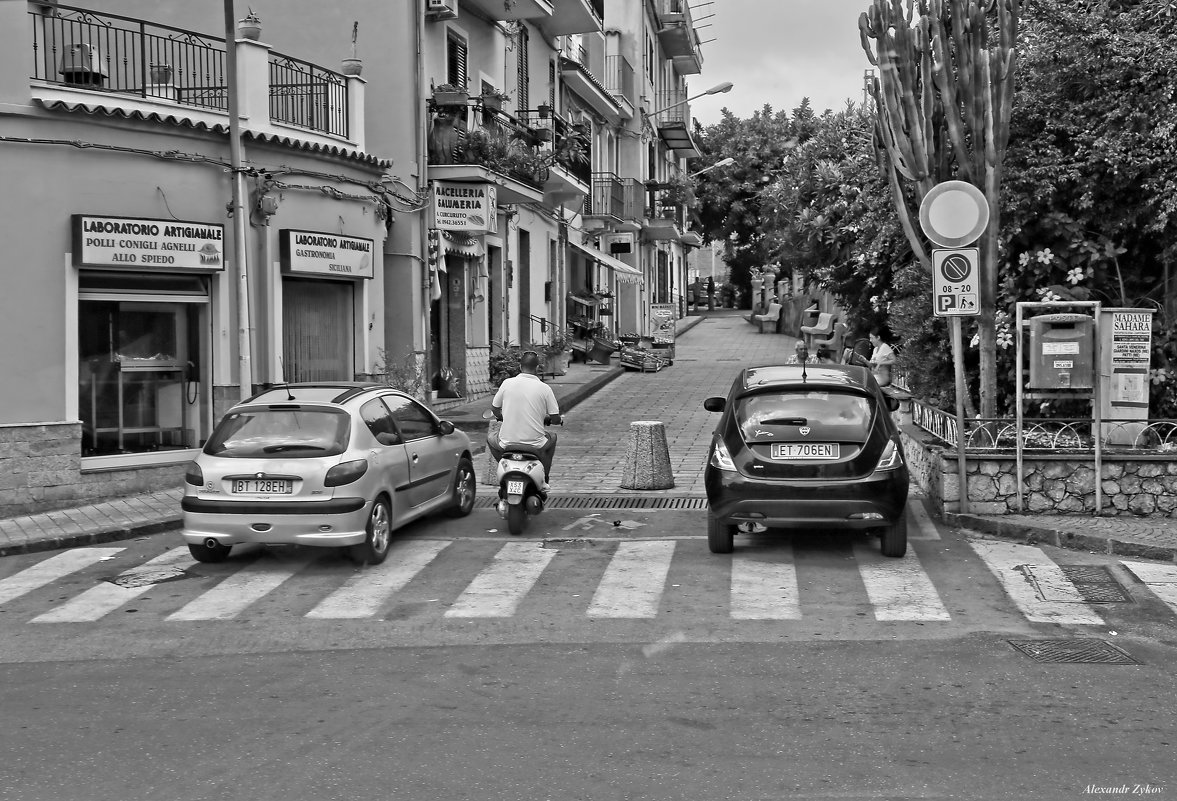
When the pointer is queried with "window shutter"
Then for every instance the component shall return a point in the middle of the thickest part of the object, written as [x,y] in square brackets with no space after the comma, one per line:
[552,84]
[455,66]
[523,77]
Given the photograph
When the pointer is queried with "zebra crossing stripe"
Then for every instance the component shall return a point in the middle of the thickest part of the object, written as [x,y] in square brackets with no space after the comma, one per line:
[898,589]
[923,523]
[764,590]
[498,590]
[1019,567]
[233,595]
[1160,579]
[363,594]
[633,582]
[105,597]
[50,570]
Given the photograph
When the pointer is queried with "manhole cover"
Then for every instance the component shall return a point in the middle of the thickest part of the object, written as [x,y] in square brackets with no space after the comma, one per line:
[1074,651]
[1096,584]
[143,577]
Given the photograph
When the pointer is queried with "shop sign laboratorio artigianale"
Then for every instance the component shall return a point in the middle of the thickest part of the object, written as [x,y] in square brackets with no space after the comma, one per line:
[136,243]
[465,207]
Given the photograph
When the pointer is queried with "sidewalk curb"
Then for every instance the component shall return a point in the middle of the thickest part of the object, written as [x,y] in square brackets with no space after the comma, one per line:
[104,535]
[1060,537]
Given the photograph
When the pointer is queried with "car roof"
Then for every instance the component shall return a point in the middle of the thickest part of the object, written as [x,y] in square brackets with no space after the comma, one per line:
[847,376]
[337,392]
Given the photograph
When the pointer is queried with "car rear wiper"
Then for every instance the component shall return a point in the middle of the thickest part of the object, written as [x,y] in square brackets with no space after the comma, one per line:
[784,421]
[295,447]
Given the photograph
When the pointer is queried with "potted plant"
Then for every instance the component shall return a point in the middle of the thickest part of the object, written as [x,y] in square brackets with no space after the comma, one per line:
[449,94]
[160,73]
[557,351]
[250,26]
[493,99]
[353,65]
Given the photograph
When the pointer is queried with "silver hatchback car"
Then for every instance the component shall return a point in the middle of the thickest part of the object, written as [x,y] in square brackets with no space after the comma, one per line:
[324,464]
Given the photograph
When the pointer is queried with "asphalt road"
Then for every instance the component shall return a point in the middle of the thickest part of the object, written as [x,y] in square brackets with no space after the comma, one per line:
[606,655]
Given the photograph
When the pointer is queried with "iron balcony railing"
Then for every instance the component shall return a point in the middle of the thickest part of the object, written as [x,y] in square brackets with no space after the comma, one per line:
[672,107]
[613,196]
[619,78]
[77,47]
[308,96]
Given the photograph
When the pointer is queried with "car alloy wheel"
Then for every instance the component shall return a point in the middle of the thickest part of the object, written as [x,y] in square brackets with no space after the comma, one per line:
[374,548]
[465,488]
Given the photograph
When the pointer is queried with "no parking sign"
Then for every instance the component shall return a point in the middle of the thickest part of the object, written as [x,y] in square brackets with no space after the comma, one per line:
[955,289]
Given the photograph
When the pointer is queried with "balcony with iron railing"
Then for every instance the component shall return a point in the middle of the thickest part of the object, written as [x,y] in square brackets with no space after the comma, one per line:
[619,80]
[614,198]
[79,49]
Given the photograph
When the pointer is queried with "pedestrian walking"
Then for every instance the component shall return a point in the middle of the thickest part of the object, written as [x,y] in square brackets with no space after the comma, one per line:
[882,357]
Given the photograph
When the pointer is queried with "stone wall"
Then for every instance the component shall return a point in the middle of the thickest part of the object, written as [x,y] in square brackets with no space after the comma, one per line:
[1131,485]
[41,470]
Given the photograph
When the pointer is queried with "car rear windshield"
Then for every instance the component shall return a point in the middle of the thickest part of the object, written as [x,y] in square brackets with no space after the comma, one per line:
[803,408]
[280,433]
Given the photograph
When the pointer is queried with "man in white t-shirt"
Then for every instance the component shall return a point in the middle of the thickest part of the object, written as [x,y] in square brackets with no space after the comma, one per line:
[523,403]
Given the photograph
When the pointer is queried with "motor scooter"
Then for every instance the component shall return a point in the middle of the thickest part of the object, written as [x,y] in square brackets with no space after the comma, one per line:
[521,481]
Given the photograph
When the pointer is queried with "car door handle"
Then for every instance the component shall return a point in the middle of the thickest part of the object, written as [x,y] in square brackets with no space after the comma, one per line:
[415,457]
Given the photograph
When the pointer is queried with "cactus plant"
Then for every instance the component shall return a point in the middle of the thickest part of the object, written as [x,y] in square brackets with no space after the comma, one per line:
[943,99]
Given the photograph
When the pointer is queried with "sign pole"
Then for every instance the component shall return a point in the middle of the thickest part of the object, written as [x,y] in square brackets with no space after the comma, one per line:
[961,464]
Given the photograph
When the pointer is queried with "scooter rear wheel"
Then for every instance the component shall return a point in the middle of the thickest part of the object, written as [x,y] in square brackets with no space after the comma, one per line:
[516,517]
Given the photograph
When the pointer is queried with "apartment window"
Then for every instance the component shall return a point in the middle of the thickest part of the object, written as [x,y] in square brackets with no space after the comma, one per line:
[523,77]
[456,52]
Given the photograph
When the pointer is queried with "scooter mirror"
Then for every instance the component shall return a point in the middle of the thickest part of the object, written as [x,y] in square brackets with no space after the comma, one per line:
[488,415]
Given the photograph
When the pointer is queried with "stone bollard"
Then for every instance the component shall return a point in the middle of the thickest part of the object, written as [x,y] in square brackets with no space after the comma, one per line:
[490,476]
[647,459]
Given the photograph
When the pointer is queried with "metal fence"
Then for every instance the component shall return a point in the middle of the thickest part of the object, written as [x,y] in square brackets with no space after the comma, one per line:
[1049,435]
[307,96]
[112,53]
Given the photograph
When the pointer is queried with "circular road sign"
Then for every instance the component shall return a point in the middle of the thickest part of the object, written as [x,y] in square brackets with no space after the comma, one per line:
[954,213]
[956,268]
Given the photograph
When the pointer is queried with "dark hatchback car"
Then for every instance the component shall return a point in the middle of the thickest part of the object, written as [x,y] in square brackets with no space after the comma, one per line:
[806,446]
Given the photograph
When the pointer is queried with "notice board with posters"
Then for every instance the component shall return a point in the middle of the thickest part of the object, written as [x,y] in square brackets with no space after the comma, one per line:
[662,320]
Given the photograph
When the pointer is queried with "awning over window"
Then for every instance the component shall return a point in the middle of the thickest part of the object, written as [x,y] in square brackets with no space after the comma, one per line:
[624,272]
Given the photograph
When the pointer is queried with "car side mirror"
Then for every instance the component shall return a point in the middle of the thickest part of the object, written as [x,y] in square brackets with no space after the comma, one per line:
[892,403]
[715,404]
[445,428]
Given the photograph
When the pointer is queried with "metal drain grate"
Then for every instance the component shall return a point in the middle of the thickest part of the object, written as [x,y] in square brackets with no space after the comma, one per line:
[1096,652]
[1096,584]
[608,502]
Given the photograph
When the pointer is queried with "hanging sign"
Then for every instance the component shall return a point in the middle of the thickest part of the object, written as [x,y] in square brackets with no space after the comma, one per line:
[325,255]
[138,243]
[465,207]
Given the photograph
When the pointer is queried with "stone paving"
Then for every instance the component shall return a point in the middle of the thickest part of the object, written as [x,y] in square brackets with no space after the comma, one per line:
[600,402]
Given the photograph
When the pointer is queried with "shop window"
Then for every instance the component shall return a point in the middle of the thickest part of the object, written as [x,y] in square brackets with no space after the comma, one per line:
[139,376]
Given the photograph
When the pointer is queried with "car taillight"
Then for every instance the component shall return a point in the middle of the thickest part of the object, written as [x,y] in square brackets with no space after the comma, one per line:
[194,475]
[892,458]
[345,473]
[721,459]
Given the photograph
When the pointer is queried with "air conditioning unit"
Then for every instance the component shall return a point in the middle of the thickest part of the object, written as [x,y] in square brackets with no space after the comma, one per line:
[618,243]
[441,9]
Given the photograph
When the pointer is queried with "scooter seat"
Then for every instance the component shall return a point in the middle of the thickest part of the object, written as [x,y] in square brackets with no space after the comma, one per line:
[519,447]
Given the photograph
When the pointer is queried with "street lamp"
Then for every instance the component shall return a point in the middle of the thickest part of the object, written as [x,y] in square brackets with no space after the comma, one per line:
[726,86]
[721,163]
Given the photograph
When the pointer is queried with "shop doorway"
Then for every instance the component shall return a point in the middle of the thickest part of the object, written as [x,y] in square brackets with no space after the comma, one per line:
[318,330]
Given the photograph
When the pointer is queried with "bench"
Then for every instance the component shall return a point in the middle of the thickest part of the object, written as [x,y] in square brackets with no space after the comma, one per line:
[833,342]
[773,315]
[823,328]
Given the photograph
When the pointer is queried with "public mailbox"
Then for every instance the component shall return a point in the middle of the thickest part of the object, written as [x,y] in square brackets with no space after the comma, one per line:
[1062,348]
